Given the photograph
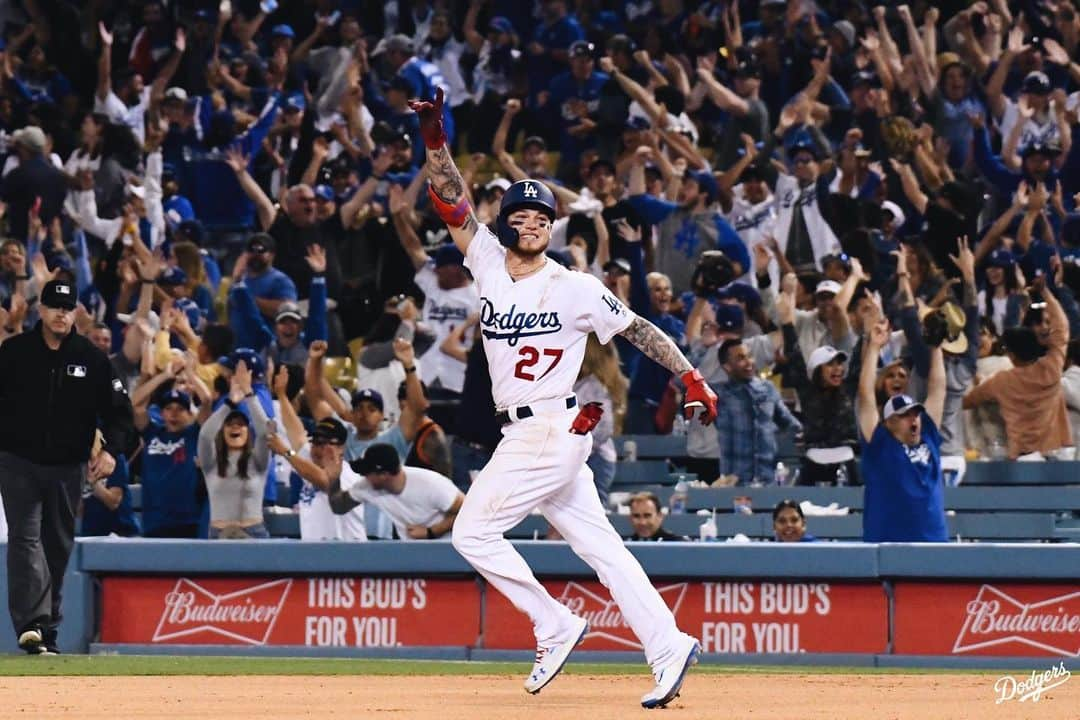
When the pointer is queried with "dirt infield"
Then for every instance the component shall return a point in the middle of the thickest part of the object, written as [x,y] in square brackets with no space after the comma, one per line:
[753,696]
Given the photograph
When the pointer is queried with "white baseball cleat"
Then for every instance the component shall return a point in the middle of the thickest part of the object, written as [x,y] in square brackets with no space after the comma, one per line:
[550,661]
[31,641]
[669,678]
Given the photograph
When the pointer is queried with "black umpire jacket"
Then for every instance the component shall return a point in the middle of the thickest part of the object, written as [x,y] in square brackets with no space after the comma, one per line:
[52,401]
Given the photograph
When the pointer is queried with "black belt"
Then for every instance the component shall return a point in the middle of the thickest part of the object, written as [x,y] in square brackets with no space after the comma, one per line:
[524,411]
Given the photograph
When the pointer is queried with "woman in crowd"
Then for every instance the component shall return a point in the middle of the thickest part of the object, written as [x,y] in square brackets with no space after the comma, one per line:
[601,381]
[789,523]
[1001,299]
[234,457]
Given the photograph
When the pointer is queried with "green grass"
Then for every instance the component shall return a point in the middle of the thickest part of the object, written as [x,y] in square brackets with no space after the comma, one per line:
[102,665]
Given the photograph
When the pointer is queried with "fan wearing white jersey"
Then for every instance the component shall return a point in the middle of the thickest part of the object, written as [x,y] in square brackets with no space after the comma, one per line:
[321,465]
[535,317]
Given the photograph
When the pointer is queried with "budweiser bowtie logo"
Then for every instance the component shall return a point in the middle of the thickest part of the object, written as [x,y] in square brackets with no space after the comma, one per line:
[604,617]
[995,618]
[247,615]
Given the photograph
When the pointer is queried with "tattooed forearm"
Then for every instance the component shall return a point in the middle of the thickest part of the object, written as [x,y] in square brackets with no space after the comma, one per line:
[656,345]
[445,177]
[436,449]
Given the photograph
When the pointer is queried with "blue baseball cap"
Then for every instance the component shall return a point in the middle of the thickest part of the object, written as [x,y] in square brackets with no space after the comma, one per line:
[730,317]
[448,255]
[175,396]
[706,182]
[191,309]
[325,192]
[1001,258]
[368,395]
[742,292]
[898,405]
[251,358]
[501,24]
[283,30]
[295,101]
[171,277]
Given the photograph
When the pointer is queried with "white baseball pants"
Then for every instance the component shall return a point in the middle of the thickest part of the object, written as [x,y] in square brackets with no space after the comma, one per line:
[540,463]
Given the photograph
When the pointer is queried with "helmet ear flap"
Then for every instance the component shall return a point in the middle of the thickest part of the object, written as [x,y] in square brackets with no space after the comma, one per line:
[508,236]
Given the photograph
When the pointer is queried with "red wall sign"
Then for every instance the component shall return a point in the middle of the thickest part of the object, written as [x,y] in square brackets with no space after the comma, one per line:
[316,612]
[985,619]
[728,617]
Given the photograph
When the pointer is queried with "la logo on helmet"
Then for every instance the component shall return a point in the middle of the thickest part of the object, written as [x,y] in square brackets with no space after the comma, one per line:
[530,191]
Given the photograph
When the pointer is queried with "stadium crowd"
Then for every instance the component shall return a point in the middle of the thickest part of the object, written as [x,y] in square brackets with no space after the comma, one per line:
[828,204]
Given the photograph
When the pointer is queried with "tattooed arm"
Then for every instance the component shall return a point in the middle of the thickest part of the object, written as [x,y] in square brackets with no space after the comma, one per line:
[656,344]
[699,398]
[448,185]
[447,188]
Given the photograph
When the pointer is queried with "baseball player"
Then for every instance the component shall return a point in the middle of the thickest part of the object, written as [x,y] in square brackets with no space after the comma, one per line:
[535,317]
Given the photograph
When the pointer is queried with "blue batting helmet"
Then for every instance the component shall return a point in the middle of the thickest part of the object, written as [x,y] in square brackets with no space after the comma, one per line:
[523,195]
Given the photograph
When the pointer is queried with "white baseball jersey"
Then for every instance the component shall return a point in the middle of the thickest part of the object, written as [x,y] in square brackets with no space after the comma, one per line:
[753,223]
[534,329]
[318,521]
[425,499]
[443,311]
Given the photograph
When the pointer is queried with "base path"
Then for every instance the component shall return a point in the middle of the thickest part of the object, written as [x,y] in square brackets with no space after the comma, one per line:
[753,696]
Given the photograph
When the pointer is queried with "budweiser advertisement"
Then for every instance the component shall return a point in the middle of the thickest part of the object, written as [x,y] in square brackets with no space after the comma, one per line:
[315,612]
[985,619]
[728,617]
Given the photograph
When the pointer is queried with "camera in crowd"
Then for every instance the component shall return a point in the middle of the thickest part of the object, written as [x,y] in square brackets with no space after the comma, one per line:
[714,270]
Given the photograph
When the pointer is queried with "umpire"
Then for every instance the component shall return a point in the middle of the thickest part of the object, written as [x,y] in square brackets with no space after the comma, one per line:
[56,388]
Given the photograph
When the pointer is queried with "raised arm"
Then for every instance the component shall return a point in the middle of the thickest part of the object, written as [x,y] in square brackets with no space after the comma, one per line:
[322,400]
[410,241]
[935,386]
[910,184]
[447,189]
[866,401]
[264,208]
[104,69]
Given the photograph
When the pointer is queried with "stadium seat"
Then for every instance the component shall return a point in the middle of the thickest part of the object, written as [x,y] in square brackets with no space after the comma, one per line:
[642,472]
[533,527]
[1006,472]
[282,525]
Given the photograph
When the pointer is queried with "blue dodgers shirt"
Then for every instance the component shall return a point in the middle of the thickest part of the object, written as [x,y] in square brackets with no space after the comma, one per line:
[98,520]
[904,498]
[170,478]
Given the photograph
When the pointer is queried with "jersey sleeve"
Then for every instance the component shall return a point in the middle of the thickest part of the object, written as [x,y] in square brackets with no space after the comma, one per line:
[485,254]
[602,312]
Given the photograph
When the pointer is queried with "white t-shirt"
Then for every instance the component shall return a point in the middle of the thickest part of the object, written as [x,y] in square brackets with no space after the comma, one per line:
[119,112]
[534,330]
[443,311]
[1042,127]
[753,223]
[425,499]
[318,521]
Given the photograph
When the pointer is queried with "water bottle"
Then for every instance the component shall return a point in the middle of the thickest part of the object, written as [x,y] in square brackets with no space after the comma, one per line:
[781,476]
[708,531]
[678,428]
[678,498]
[841,475]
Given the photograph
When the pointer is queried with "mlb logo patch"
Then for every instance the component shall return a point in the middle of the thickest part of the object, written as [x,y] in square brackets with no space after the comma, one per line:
[78,371]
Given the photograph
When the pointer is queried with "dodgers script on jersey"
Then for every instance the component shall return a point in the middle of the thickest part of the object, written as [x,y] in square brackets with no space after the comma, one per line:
[534,330]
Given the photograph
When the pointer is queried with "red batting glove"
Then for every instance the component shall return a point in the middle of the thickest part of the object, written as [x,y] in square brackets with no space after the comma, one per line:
[698,394]
[431,120]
